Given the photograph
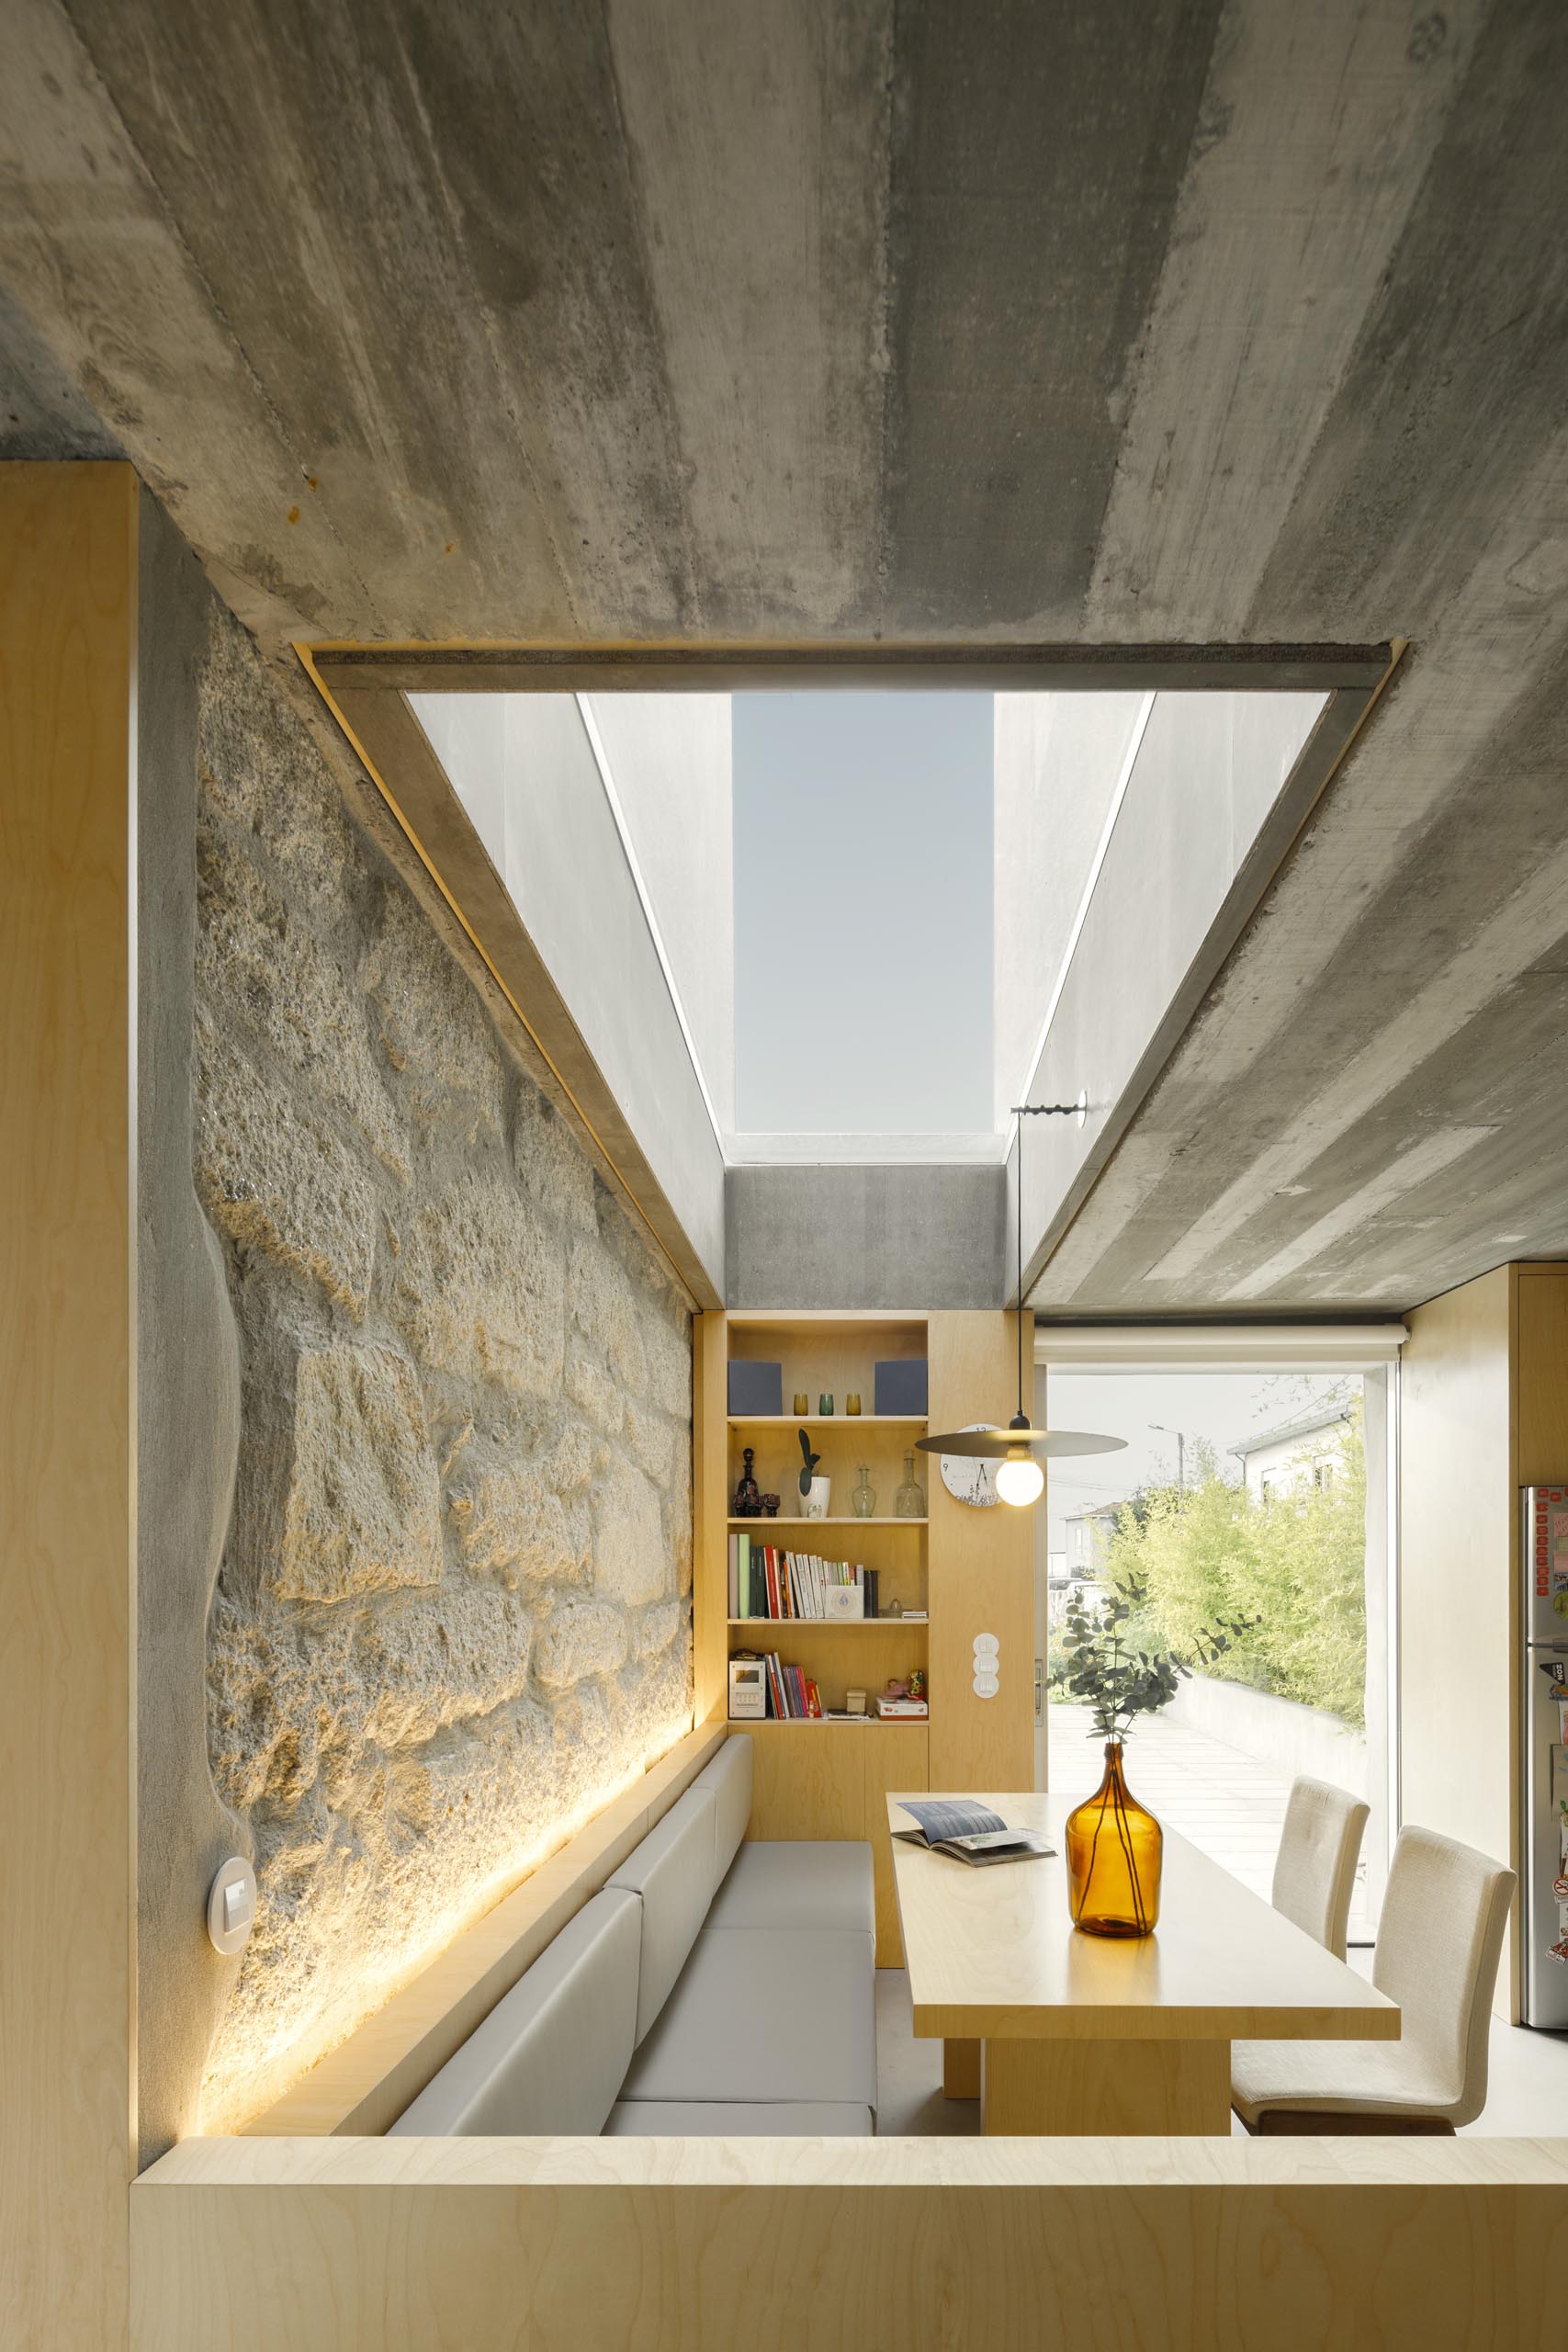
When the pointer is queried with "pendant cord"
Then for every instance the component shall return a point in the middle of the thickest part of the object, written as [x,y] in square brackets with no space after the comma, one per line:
[1019,1223]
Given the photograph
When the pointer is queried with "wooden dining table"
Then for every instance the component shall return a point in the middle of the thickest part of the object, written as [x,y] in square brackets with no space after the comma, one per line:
[1061,2032]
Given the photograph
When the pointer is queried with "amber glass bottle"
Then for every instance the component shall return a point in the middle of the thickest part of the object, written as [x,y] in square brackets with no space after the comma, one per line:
[1114,1850]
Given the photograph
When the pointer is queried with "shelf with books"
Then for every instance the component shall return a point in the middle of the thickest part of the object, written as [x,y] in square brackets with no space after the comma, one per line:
[834,1625]
[782,1583]
[805,1526]
[834,1722]
[832,1422]
[968,1571]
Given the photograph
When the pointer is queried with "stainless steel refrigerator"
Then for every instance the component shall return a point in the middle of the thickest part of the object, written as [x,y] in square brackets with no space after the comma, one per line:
[1544,1551]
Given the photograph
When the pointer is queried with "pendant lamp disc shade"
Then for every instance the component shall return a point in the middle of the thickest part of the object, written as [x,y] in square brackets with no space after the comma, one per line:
[996,1444]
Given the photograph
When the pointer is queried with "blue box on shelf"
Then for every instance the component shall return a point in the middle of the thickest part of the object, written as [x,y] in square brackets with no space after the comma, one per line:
[902,1387]
[755,1389]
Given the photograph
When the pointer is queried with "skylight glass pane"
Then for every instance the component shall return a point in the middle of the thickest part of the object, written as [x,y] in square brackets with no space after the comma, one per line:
[864,882]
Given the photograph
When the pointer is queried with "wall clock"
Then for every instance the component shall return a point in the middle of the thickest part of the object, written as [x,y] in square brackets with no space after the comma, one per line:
[969,1478]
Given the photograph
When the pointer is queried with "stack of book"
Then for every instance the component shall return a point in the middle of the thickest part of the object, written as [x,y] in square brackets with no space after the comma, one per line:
[767,1582]
[792,1695]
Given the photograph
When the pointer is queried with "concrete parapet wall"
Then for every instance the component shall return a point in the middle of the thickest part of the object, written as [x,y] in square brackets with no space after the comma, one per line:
[1291,1739]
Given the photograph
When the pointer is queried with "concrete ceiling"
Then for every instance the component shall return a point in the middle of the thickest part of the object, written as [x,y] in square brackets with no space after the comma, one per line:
[1143,321]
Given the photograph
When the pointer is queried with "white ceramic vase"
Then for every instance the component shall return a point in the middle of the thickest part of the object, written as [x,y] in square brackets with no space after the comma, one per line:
[814,1504]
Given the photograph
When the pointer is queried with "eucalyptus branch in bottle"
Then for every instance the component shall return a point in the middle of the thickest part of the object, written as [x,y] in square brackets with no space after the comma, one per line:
[1118,1685]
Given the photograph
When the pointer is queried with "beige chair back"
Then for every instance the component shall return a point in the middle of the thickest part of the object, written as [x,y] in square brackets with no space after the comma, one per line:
[1439,1942]
[1315,1873]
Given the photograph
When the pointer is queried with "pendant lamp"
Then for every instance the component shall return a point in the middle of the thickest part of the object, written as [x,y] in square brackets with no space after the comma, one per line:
[1020,1448]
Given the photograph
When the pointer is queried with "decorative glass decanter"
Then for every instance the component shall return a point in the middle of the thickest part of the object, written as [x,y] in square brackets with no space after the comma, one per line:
[863,1499]
[909,1502]
[1114,1852]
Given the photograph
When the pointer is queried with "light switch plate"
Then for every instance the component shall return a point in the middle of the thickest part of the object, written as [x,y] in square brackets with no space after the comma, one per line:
[231,1906]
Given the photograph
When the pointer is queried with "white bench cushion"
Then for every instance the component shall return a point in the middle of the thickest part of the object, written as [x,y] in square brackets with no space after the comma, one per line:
[755,2019]
[789,1884]
[672,1873]
[552,2052]
[710,2120]
[729,1775]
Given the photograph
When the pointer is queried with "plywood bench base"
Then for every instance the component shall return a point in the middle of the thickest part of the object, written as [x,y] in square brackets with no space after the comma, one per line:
[837,2245]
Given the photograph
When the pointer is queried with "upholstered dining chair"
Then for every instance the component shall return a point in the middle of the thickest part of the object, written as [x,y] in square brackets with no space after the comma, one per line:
[1440,1934]
[1315,1873]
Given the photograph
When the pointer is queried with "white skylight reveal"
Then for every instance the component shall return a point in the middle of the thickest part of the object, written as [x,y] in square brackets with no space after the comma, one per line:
[858,923]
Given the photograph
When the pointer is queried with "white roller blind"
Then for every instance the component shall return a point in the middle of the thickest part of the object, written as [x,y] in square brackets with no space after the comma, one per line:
[1245,1347]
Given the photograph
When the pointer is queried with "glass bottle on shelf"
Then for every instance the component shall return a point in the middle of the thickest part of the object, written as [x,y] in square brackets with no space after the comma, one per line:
[909,1502]
[863,1500]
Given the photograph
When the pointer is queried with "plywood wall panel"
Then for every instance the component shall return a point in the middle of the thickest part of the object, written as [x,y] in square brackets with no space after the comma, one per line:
[980,1571]
[1542,1375]
[67,652]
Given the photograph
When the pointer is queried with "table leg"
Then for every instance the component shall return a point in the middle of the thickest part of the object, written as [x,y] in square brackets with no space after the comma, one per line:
[961,2070]
[1078,2089]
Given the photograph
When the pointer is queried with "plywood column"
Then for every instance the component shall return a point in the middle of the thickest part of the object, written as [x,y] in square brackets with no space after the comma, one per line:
[67,657]
[710,1533]
[980,1571]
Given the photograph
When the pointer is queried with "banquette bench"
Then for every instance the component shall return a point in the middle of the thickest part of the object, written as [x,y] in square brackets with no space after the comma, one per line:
[713,1986]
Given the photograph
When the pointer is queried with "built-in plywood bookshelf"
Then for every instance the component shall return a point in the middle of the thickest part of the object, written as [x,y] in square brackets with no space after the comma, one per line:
[964,1571]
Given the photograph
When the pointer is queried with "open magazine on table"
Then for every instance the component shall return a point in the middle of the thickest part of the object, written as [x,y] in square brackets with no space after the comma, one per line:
[969,1832]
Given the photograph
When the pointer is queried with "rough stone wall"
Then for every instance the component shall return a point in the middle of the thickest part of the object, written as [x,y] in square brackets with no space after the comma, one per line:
[453,1610]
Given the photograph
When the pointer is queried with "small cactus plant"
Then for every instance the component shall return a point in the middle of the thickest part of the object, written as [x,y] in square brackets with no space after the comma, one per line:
[808,1466]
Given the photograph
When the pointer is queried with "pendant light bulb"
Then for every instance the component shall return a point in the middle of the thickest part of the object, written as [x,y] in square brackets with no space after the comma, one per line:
[1021,1480]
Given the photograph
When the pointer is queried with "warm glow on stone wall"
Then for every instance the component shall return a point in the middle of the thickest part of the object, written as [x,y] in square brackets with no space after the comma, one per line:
[261,2074]
[454,1614]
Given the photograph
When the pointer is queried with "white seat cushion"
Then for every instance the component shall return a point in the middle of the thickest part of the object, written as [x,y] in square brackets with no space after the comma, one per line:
[1342,2077]
[672,1873]
[755,2019]
[710,2120]
[784,1883]
[551,2054]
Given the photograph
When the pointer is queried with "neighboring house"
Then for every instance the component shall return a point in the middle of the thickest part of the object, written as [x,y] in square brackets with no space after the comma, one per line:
[1302,1452]
[1088,1534]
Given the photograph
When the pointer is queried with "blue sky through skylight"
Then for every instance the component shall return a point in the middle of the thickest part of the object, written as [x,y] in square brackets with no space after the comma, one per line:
[864,913]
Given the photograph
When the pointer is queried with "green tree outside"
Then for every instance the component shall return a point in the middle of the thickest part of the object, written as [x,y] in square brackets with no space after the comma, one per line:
[1294,1564]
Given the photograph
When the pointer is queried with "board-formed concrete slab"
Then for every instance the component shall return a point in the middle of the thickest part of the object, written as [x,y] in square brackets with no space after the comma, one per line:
[813,324]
